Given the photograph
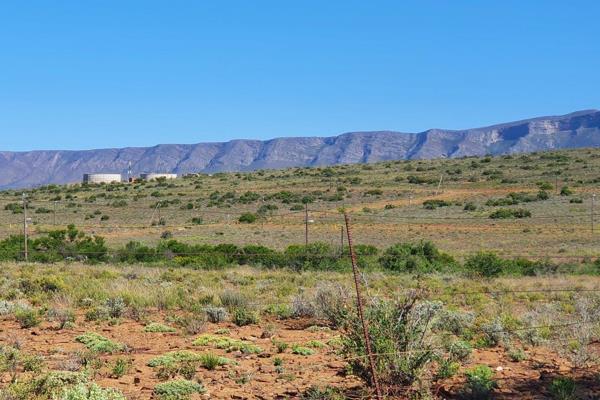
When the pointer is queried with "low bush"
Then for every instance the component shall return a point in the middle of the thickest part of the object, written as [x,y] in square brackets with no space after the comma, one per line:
[27,318]
[177,390]
[480,384]
[415,257]
[159,328]
[90,391]
[505,213]
[98,343]
[400,334]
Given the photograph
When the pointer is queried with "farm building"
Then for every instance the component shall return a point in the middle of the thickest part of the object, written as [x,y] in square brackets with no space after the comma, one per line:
[101,178]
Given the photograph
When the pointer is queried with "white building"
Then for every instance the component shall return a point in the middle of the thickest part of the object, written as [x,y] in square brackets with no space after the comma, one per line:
[102,178]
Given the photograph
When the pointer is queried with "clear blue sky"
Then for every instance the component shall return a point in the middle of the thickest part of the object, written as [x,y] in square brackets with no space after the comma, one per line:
[88,74]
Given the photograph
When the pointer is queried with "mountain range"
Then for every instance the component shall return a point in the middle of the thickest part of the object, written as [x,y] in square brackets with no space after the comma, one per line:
[34,168]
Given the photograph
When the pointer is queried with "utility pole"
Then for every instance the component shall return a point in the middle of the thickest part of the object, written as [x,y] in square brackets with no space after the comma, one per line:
[306,224]
[54,215]
[25,228]
[439,185]
[592,212]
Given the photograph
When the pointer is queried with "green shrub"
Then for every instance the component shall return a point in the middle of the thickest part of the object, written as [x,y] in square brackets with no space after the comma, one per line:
[303,351]
[175,357]
[247,218]
[244,316]
[470,206]
[480,383]
[177,390]
[159,328]
[27,318]
[434,203]
[98,343]
[90,391]
[565,191]
[485,264]
[414,257]
[505,213]
[227,344]
[401,336]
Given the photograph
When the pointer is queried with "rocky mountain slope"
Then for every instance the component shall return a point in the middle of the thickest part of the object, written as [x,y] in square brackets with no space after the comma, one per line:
[579,129]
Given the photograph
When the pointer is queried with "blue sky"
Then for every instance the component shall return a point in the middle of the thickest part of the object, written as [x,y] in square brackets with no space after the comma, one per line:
[90,74]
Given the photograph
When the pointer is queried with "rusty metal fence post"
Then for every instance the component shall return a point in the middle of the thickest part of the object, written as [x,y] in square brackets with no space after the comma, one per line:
[359,304]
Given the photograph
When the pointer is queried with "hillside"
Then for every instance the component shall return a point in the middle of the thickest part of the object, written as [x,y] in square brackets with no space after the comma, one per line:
[29,169]
[205,282]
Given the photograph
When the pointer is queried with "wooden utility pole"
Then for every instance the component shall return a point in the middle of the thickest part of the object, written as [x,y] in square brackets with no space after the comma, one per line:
[25,241]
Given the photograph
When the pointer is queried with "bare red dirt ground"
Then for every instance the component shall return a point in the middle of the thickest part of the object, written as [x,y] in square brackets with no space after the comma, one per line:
[256,377]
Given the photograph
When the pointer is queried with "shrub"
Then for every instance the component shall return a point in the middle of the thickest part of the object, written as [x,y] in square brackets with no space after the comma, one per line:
[173,358]
[159,328]
[177,390]
[470,206]
[227,344]
[98,343]
[303,351]
[434,203]
[115,307]
[414,257]
[64,316]
[247,218]
[480,384]
[565,191]
[485,264]
[244,316]
[90,391]
[400,335]
[460,350]
[216,314]
[504,213]
[27,318]
[232,300]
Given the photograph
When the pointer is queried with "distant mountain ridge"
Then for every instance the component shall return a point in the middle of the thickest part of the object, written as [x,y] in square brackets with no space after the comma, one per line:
[34,168]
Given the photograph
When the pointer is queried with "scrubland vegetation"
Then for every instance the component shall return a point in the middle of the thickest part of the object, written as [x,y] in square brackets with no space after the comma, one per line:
[484,286]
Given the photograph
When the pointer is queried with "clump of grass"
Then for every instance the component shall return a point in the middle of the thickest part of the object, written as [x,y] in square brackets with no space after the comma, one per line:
[227,344]
[211,361]
[159,328]
[98,343]
[179,389]
[120,368]
[563,389]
